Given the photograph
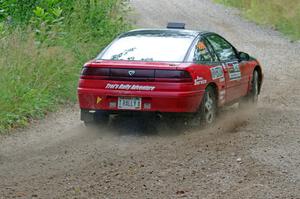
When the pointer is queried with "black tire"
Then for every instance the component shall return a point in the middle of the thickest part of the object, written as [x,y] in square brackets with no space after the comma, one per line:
[207,113]
[252,97]
[99,118]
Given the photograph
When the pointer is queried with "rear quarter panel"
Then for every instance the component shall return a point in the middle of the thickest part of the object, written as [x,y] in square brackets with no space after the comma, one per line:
[202,76]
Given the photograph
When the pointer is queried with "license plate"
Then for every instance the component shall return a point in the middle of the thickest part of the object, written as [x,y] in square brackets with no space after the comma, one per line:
[129,103]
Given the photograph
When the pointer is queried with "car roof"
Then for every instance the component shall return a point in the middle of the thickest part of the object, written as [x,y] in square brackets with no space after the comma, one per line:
[165,32]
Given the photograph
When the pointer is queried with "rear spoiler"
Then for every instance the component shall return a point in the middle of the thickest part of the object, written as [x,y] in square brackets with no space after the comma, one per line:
[176,25]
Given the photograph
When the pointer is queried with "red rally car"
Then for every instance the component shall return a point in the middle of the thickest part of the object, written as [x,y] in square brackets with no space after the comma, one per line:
[173,70]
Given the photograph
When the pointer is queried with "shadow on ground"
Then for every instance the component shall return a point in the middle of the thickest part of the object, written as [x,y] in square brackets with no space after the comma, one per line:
[229,119]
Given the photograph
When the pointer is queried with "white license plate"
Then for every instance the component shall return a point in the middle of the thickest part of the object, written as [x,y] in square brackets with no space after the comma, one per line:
[129,103]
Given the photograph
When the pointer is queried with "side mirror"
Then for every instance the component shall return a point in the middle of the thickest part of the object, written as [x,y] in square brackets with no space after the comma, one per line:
[244,56]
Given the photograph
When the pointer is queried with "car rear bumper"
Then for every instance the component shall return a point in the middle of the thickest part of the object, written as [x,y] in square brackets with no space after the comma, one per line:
[155,101]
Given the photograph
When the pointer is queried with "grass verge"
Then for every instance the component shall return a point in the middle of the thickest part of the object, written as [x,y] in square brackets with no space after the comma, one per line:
[36,78]
[282,15]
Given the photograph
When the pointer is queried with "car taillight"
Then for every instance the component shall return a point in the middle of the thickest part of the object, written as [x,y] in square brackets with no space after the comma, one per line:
[173,76]
[136,74]
[95,73]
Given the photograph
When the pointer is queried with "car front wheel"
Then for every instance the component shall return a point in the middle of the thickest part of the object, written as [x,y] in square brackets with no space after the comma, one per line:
[252,97]
[255,88]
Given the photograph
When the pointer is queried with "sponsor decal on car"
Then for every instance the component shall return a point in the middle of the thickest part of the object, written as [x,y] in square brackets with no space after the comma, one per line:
[234,71]
[129,87]
[222,94]
[217,72]
[200,81]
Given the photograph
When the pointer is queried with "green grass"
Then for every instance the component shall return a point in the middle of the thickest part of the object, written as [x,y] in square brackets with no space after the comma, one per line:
[37,78]
[283,15]
[33,80]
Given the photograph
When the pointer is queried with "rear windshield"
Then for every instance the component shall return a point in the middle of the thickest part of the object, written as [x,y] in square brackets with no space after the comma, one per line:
[151,48]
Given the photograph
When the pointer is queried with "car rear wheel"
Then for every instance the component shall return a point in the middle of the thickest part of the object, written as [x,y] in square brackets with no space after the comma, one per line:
[207,112]
[209,107]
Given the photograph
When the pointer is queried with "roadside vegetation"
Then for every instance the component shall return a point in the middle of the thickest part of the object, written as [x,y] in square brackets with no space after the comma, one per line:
[282,15]
[43,45]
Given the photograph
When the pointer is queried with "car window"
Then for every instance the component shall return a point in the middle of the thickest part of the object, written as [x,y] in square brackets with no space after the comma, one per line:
[210,48]
[201,53]
[222,48]
[149,48]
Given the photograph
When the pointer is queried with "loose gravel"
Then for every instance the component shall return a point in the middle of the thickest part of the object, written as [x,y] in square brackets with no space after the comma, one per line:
[248,154]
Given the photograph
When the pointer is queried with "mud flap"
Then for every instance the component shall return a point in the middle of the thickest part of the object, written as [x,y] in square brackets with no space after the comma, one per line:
[86,116]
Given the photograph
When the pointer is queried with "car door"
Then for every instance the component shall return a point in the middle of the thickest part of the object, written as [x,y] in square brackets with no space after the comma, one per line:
[230,62]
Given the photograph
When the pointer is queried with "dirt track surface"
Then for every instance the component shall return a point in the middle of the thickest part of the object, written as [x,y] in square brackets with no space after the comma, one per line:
[249,154]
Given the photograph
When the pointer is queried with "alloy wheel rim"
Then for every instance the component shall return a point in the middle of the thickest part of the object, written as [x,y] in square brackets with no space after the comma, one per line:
[209,109]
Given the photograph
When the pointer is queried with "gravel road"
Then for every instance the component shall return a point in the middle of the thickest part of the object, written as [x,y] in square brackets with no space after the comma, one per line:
[249,154]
